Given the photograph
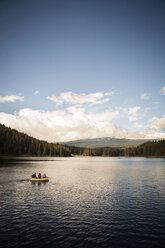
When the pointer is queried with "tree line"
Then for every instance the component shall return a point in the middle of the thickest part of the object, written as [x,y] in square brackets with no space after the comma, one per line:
[148,149]
[15,143]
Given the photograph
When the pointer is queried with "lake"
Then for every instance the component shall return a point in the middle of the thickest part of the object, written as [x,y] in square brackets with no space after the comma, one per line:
[88,202]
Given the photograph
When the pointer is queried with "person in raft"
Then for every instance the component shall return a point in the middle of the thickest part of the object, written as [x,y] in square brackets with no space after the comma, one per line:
[39,175]
[34,175]
[44,175]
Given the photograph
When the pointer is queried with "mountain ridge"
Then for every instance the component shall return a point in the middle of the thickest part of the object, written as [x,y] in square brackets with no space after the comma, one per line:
[106,142]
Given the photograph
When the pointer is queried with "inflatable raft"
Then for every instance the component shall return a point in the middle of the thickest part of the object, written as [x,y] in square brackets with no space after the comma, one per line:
[46,179]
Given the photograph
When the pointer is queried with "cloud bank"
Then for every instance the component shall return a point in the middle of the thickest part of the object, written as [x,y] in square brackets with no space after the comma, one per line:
[65,125]
[80,118]
[157,123]
[11,98]
[79,99]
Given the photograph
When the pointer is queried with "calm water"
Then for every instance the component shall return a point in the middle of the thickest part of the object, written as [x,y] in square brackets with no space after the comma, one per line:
[88,202]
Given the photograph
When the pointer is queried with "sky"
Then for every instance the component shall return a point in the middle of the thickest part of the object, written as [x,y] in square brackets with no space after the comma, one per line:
[79,69]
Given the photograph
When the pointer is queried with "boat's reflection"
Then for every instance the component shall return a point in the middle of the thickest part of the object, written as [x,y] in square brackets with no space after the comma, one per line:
[38,183]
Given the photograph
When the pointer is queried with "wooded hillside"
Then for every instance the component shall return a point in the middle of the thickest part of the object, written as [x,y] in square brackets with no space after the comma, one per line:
[13,142]
[149,149]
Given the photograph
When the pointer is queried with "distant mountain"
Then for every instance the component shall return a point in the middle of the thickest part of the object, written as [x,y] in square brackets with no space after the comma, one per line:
[106,142]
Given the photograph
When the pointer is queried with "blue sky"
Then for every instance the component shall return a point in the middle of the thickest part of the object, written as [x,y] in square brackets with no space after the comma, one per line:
[83,69]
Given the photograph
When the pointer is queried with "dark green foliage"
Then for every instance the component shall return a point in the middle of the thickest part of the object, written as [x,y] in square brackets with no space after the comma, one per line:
[15,143]
[149,149]
[105,152]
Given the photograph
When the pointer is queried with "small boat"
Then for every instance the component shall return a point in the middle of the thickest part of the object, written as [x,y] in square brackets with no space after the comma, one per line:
[45,179]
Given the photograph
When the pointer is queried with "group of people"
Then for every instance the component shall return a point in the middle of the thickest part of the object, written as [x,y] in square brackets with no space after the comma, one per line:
[39,175]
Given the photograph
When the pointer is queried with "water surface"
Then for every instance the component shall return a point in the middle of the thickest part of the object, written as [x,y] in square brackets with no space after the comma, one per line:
[88,202]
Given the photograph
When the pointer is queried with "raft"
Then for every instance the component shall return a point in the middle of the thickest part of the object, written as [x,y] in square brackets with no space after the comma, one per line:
[46,179]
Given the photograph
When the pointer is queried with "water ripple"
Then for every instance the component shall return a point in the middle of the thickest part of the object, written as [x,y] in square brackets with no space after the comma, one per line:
[84,205]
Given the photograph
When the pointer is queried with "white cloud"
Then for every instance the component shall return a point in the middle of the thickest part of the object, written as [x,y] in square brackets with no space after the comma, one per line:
[156,135]
[11,98]
[56,99]
[72,98]
[162,92]
[144,96]
[68,124]
[133,113]
[137,125]
[157,124]
[109,93]
[36,92]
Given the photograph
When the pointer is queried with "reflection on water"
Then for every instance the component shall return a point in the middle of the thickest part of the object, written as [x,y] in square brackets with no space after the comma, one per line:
[88,202]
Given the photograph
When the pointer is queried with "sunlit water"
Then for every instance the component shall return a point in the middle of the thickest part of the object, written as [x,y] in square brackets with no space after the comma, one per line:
[88,202]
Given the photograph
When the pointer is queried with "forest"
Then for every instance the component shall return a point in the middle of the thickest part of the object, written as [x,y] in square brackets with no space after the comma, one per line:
[148,149]
[14,143]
